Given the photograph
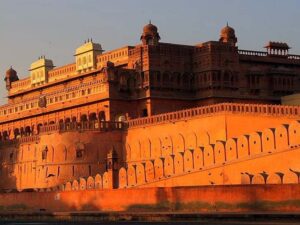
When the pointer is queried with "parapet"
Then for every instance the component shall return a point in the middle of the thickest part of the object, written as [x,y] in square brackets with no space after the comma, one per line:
[274,110]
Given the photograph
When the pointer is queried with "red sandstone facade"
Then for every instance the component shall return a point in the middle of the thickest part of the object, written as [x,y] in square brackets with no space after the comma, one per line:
[94,123]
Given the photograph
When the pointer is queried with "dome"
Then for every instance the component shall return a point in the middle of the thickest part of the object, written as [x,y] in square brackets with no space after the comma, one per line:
[228,35]
[10,76]
[229,31]
[11,73]
[150,28]
[150,34]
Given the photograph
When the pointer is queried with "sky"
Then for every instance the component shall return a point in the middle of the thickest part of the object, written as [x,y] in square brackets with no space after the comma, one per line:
[55,28]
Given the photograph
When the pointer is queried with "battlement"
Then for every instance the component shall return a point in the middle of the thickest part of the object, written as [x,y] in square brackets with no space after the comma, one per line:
[266,54]
[272,110]
[61,72]
[101,126]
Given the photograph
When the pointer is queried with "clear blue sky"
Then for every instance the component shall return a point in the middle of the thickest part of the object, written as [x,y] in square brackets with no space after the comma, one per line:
[30,28]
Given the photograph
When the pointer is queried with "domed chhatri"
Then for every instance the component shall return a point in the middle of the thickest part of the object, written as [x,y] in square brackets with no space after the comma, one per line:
[150,28]
[150,35]
[11,76]
[228,35]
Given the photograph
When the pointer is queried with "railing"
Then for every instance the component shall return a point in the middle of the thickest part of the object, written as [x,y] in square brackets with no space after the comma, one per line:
[297,57]
[252,53]
[274,110]
[34,138]
[23,139]
[84,126]
[259,53]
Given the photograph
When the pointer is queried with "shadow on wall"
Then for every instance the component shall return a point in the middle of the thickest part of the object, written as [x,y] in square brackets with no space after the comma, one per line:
[9,155]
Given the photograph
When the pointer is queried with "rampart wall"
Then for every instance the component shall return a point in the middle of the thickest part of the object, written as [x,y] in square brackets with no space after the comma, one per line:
[57,155]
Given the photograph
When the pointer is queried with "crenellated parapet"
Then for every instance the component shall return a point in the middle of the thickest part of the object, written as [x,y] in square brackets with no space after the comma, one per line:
[255,109]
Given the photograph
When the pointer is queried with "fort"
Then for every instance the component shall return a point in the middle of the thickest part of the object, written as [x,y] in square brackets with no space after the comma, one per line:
[155,119]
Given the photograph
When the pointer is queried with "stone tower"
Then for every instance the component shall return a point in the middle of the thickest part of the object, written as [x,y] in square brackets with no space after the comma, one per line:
[228,35]
[11,76]
[150,35]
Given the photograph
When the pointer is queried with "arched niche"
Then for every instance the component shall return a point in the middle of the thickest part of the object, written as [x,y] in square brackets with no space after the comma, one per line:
[158,167]
[156,147]
[60,153]
[268,142]
[230,149]
[243,146]
[122,178]
[98,182]
[167,145]
[82,184]
[90,183]
[203,138]
[255,143]
[275,179]
[294,133]
[281,137]
[128,152]
[191,141]
[188,163]
[245,179]
[136,150]
[219,150]
[198,158]
[105,180]
[131,173]
[146,149]
[258,179]
[71,152]
[140,173]
[178,162]
[179,143]
[149,171]
[208,156]
[75,185]
[169,165]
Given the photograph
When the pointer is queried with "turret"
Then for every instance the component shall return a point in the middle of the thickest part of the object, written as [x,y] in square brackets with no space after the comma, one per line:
[228,35]
[86,56]
[11,76]
[150,35]
[39,71]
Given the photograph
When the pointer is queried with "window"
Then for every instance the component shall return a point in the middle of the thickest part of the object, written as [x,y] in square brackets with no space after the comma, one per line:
[79,153]
[44,153]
